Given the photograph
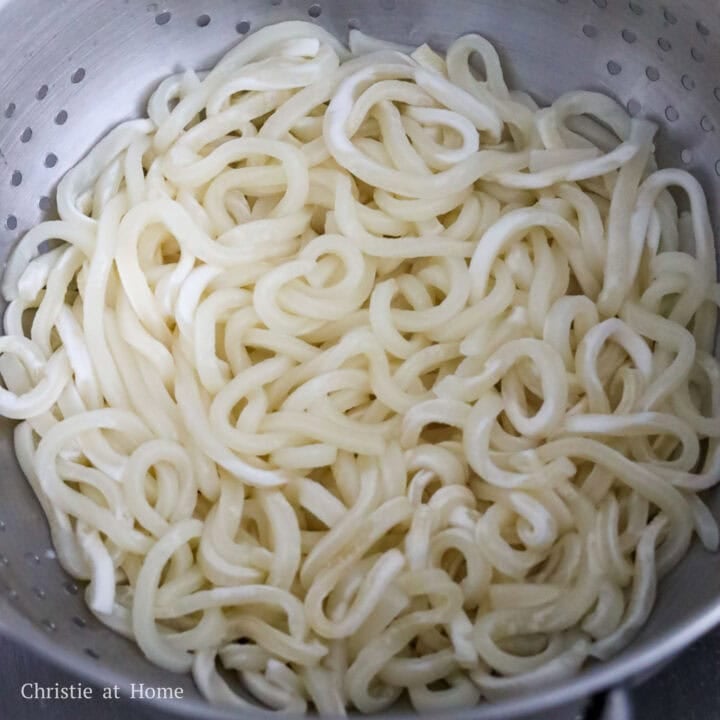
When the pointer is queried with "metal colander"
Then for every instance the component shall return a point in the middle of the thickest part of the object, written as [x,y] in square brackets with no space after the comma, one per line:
[71,69]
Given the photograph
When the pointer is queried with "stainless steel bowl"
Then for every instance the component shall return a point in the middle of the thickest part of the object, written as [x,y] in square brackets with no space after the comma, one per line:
[71,69]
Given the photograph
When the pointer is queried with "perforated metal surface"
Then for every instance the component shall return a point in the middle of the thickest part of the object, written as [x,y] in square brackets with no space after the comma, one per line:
[71,69]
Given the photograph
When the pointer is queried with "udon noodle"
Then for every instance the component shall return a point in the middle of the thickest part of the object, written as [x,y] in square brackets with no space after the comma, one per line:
[356,373]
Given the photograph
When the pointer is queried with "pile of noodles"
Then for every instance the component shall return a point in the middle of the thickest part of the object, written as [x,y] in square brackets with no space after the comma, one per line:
[363,374]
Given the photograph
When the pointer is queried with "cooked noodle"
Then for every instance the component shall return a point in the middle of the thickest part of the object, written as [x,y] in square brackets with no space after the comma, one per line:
[357,374]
